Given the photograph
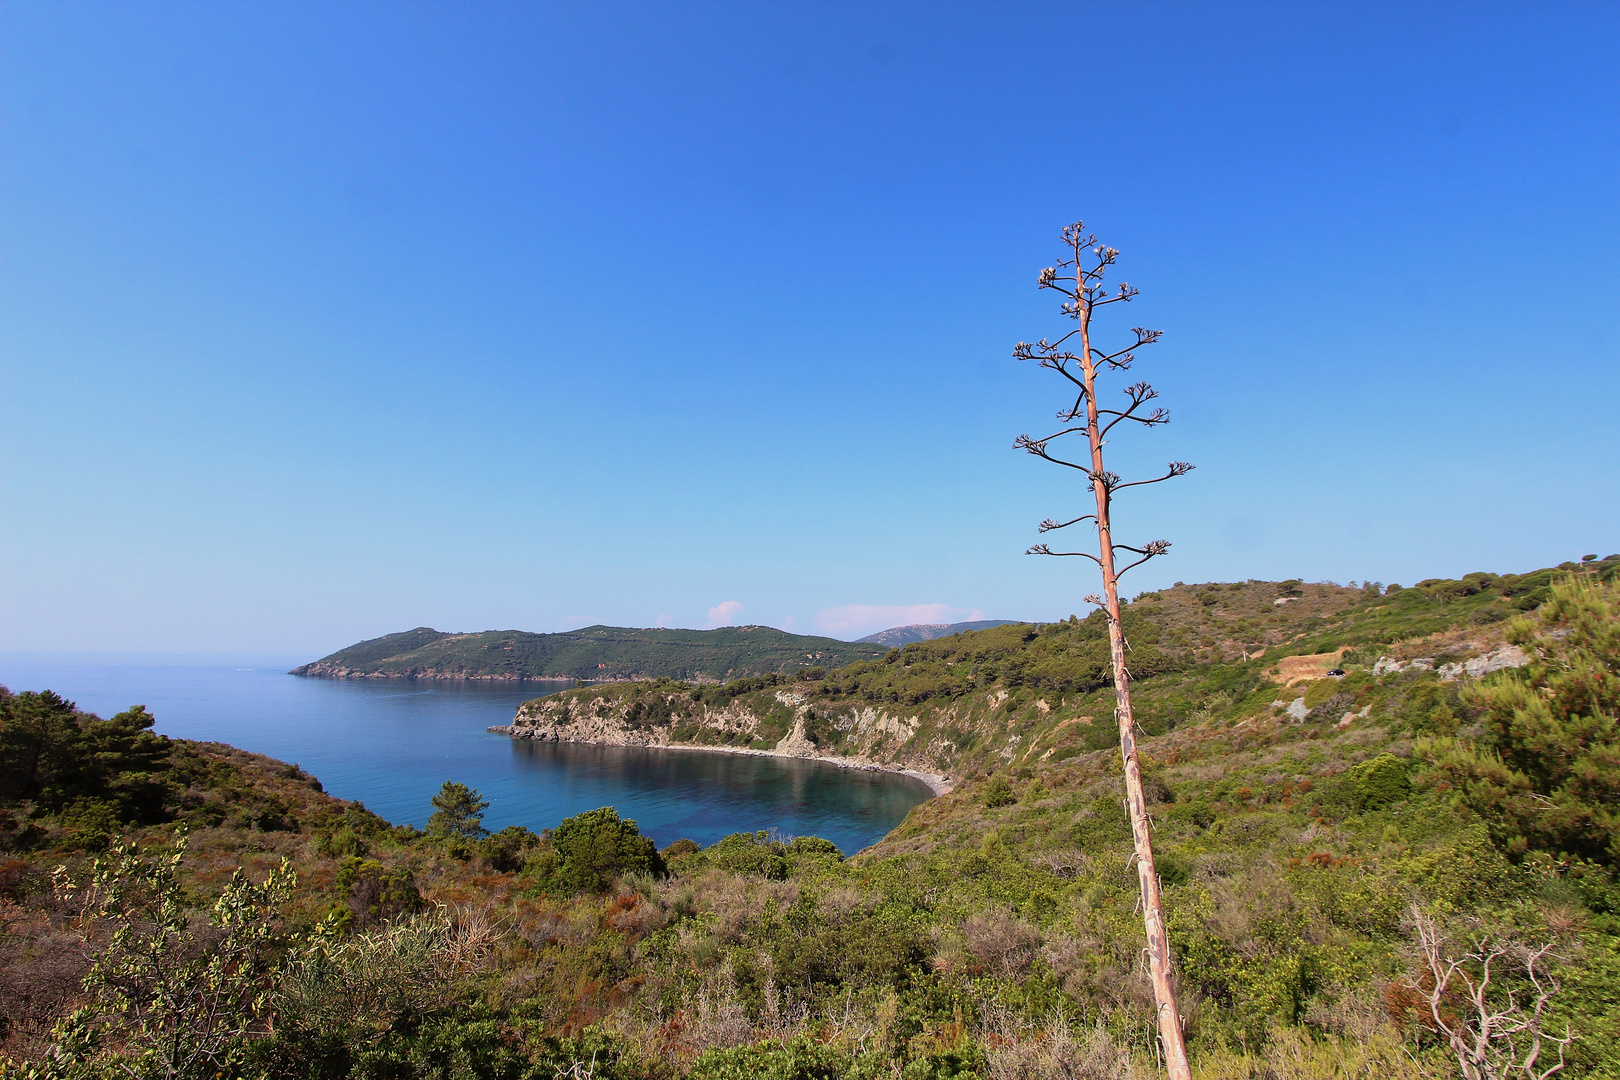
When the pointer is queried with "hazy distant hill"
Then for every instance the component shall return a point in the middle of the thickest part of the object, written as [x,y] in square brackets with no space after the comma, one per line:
[596,653]
[904,635]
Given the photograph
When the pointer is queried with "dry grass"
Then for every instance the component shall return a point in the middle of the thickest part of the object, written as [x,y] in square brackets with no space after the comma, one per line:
[1055,1053]
[1291,1054]
[1298,669]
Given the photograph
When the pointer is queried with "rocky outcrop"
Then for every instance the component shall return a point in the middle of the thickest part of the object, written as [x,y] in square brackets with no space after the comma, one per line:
[1508,656]
[1499,659]
[1388,665]
[855,737]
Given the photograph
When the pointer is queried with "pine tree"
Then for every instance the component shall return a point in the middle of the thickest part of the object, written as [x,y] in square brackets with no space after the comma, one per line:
[1545,771]
[458,811]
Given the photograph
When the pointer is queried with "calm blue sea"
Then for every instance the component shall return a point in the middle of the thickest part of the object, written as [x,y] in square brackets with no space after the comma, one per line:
[390,744]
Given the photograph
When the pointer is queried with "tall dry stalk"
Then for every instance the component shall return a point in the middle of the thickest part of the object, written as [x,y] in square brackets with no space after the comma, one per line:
[1084,288]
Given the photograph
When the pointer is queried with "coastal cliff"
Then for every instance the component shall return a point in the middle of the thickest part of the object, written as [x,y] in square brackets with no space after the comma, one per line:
[779,724]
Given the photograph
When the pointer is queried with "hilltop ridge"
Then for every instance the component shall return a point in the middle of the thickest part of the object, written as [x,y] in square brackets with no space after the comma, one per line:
[896,636]
[593,654]
[980,700]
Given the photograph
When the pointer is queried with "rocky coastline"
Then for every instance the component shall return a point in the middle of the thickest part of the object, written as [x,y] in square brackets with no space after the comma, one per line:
[334,671]
[875,740]
[935,782]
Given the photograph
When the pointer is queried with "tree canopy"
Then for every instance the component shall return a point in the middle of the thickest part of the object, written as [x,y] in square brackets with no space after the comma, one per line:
[597,846]
[55,756]
[1545,771]
[458,812]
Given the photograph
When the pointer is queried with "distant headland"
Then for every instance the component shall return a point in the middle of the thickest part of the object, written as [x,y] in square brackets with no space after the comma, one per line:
[594,654]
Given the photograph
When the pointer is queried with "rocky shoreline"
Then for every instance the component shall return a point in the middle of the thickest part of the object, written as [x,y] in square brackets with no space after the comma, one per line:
[784,725]
[327,671]
[935,782]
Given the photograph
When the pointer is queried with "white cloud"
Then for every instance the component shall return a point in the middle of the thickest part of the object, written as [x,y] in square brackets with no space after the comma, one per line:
[724,613]
[857,620]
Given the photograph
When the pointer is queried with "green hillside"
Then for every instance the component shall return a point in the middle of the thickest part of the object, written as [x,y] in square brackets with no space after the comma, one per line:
[1327,843]
[905,635]
[1200,653]
[596,653]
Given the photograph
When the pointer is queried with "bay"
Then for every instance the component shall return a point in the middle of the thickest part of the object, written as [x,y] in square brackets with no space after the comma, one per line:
[391,743]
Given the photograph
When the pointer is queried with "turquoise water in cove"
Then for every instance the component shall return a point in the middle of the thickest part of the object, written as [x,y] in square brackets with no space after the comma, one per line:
[391,743]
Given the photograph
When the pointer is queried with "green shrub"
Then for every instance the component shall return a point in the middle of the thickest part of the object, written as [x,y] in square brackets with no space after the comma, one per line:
[1465,873]
[964,1062]
[1432,707]
[997,792]
[1197,812]
[1103,823]
[595,847]
[374,892]
[1155,788]
[344,841]
[750,853]
[1547,775]
[507,850]
[90,824]
[813,846]
[1371,785]
[1254,965]
[166,994]
[802,1059]
[1320,691]
[798,1060]
[1173,868]
[1294,1054]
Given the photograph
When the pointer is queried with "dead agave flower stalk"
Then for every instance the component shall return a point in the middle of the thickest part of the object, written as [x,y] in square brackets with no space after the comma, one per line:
[1080,279]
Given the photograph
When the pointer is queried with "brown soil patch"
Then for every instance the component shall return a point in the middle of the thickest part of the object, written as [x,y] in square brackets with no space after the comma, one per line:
[1293,669]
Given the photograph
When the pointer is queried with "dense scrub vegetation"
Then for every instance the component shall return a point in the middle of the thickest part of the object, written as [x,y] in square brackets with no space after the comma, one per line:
[1327,848]
[975,702]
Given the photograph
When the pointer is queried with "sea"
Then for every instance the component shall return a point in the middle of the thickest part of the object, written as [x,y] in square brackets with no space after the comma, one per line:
[391,743]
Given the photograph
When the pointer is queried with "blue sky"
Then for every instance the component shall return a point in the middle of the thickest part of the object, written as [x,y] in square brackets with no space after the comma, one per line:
[321,321]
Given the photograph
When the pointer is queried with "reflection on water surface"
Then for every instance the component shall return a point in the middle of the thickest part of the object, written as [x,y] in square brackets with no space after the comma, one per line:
[391,743]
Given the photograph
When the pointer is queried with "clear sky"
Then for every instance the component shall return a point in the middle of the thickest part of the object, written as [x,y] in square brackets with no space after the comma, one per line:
[322,321]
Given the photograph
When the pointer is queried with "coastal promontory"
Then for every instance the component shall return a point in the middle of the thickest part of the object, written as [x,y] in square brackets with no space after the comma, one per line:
[593,654]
